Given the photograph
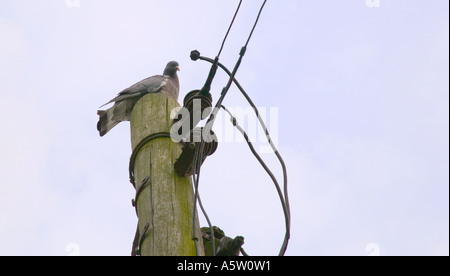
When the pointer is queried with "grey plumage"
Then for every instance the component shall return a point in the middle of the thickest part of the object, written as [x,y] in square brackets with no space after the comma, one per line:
[124,102]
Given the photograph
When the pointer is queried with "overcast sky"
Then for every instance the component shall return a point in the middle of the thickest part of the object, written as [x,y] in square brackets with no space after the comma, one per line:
[362,98]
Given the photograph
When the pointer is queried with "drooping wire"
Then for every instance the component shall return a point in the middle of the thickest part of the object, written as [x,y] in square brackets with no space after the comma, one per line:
[197,162]
[196,196]
[198,152]
[283,165]
[206,216]
[209,124]
[278,155]
[283,199]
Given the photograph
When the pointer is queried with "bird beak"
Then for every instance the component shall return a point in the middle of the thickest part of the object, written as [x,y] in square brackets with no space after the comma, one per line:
[178,68]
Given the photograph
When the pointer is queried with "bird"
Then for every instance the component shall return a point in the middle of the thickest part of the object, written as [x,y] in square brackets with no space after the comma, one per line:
[167,83]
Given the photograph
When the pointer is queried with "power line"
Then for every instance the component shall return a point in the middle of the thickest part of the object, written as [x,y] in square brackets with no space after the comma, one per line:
[283,197]
[198,151]
[229,28]
[195,55]
[212,72]
[198,159]
[256,22]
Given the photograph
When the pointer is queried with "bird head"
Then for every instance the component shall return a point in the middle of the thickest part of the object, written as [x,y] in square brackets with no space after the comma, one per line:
[171,69]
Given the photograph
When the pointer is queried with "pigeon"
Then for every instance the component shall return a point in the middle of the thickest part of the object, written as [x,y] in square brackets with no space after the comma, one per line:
[167,84]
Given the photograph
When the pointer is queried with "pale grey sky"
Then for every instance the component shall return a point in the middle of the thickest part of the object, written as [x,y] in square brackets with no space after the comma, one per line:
[363,106]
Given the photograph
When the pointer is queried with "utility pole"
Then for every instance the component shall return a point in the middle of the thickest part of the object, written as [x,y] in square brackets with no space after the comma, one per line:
[164,201]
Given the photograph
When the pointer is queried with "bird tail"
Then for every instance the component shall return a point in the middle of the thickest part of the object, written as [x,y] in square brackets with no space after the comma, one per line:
[106,123]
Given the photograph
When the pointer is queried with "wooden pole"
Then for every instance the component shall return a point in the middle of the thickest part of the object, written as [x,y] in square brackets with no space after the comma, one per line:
[165,204]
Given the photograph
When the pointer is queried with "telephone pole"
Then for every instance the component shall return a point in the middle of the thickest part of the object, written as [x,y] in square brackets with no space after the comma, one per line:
[164,201]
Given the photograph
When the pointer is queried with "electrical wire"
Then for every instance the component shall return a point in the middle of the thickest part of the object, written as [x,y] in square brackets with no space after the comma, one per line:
[229,28]
[197,162]
[205,214]
[212,72]
[256,22]
[283,199]
[212,117]
[198,158]
[283,165]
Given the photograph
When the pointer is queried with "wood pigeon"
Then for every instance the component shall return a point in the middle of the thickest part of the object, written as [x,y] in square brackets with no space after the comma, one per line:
[167,84]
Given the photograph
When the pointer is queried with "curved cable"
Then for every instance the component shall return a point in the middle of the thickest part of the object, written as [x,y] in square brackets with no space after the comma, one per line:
[284,200]
[210,122]
[139,146]
[263,125]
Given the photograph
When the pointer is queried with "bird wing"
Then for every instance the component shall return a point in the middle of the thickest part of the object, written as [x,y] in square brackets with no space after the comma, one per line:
[145,86]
